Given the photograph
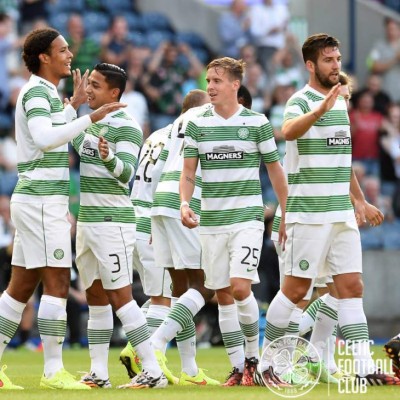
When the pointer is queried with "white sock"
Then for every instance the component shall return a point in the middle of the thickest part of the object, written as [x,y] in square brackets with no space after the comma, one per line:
[52,323]
[248,315]
[100,329]
[328,355]
[136,330]
[278,317]
[186,343]
[180,316]
[232,334]
[155,316]
[145,307]
[10,318]
[308,317]
[325,323]
[353,324]
[294,323]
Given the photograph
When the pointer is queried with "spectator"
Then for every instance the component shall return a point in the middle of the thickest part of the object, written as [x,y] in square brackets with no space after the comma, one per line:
[8,165]
[30,12]
[390,150]
[381,98]
[6,44]
[384,59]
[234,29]
[136,106]
[286,67]
[85,50]
[268,25]
[257,87]
[163,81]
[116,43]
[365,126]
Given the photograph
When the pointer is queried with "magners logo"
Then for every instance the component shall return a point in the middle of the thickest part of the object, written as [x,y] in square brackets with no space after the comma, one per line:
[234,155]
[338,141]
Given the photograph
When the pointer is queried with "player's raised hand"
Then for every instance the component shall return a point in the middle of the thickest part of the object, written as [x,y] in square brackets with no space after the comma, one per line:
[105,109]
[80,82]
[330,99]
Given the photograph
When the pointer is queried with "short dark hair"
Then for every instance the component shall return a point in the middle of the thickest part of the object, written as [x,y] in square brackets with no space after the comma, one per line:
[37,42]
[115,76]
[244,97]
[315,43]
[235,68]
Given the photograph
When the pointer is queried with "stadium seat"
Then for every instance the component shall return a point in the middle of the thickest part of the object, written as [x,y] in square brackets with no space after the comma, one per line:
[116,7]
[156,21]
[138,38]
[59,21]
[134,21]
[65,6]
[155,38]
[95,21]
[191,38]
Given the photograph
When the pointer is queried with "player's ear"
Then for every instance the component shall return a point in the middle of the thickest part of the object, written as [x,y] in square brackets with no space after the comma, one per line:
[310,66]
[115,93]
[43,57]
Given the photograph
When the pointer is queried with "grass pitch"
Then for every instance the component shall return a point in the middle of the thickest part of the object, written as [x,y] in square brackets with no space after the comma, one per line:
[25,368]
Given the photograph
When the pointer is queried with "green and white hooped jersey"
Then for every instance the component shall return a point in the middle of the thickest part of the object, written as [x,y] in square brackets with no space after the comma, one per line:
[42,176]
[166,198]
[230,151]
[142,195]
[104,186]
[318,165]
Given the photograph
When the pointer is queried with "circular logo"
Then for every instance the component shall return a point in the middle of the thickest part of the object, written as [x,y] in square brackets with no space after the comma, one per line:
[304,265]
[103,131]
[58,254]
[289,358]
[243,133]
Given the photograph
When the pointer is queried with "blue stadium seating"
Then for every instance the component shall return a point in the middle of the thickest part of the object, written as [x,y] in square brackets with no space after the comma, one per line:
[191,38]
[96,21]
[116,7]
[59,21]
[156,21]
[135,22]
[155,38]
[65,6]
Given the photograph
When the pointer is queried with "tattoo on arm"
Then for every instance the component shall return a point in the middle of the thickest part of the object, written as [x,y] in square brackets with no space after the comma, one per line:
[190,180]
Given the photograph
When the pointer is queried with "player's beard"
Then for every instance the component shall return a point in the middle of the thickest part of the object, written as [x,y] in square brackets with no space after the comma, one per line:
[324,80]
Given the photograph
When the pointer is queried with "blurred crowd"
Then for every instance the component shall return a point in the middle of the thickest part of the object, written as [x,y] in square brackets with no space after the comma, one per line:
[164,64]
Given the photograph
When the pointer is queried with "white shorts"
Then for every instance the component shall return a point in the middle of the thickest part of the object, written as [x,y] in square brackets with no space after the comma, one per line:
[105,253]
[321,250]
[282,271]
[175,246]
[156,281]
[231,255]
[42,236]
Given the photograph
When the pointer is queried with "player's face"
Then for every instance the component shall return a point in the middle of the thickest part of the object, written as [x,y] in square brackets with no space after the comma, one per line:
[98,91]
[220,86]
[328,67]
[60,58]
[345,92]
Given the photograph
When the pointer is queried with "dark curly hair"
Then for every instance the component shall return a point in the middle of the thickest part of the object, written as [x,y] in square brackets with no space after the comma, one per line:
[36,43]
